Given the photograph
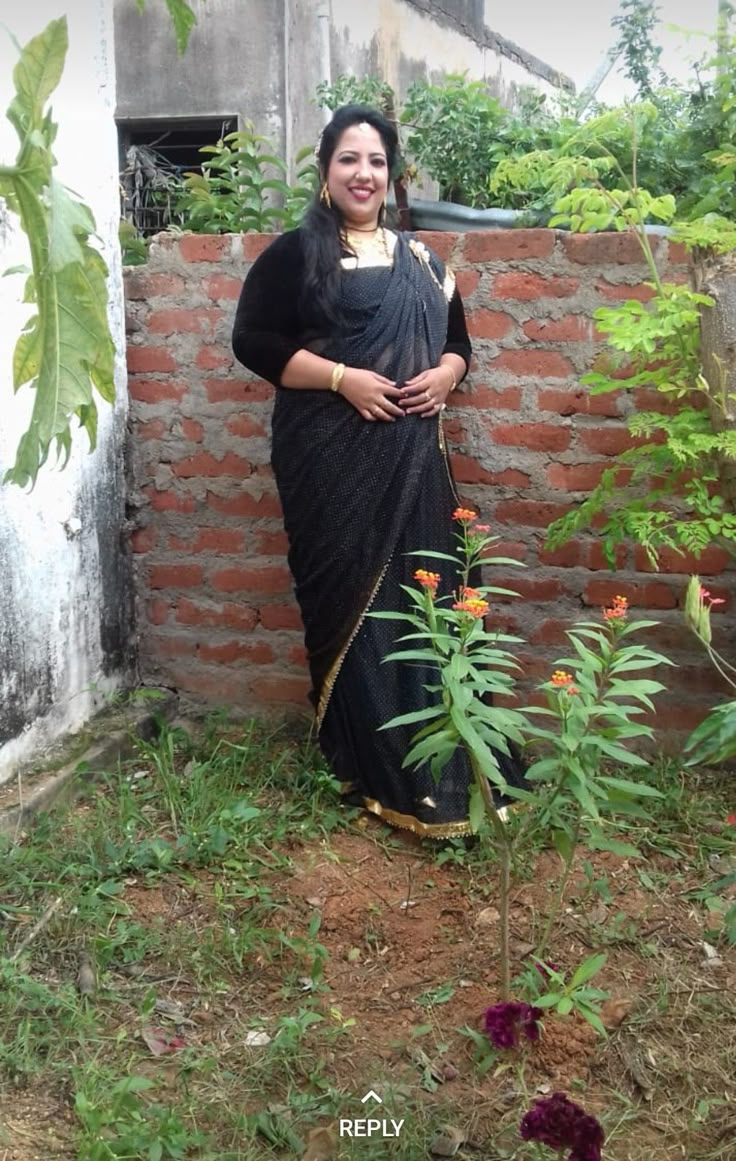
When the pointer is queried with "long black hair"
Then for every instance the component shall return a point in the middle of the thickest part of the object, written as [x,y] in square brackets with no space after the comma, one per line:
[323,227]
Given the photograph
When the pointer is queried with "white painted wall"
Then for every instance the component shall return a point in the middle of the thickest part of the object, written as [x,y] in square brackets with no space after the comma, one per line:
[58,565]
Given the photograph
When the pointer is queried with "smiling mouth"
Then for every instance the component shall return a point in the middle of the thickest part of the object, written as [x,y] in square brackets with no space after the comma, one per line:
[361,192]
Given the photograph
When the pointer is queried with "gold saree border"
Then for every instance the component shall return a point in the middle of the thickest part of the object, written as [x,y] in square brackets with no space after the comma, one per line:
[408,822]
[332,674]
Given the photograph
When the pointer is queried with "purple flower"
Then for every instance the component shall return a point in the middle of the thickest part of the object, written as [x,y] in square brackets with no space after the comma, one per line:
[559,1123]
[505,1023]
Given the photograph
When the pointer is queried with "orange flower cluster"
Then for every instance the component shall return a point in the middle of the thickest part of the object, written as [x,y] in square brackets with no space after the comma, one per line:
[476,606]
[468,594]
[428,580]
[482,528]
[464,515]
[560,677]
[618,609]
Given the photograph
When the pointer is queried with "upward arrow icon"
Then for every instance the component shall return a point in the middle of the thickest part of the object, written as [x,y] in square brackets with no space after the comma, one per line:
[371,1096]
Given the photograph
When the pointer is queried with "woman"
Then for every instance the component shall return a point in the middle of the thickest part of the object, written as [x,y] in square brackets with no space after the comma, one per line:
[363,333]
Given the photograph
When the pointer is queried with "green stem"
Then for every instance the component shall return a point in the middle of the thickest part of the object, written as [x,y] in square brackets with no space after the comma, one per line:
[10,171]
[557,905]
[504,854]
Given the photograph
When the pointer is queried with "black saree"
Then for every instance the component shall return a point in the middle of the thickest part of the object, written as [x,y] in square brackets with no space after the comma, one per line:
[357,498]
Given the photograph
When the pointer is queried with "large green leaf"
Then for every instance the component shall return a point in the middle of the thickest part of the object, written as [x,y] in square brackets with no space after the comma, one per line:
[66,348]
[183,19]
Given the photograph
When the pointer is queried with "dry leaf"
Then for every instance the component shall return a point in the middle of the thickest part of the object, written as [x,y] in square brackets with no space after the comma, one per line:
[447,1141]
[321,1145]
[160,1042]
[614,1012]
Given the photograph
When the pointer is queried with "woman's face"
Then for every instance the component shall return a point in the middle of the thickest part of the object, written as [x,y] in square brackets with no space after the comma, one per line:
[357,178]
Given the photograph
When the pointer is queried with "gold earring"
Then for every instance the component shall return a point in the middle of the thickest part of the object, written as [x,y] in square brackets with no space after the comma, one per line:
[324,196]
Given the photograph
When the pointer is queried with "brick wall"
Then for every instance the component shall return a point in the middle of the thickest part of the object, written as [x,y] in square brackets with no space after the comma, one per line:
[216,615]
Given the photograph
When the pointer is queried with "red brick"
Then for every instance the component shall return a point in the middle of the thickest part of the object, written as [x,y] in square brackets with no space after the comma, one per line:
[192,430]
[536,436]
[182,320]
[467,282]
[255,244]
[513,548]
[508,245]
[255,580]
[597,560]
[297,655]
[175,576]
[157,390]
[712,560]
[143,539]
[607,441]
[205,465]
[212,358]
[622,292]
[154,429]
[443,243]
[567,556]
[677,255]
[600,249]
[681,718]
[148,359]
[237,390]
[573,328]
[529,287]
[489,398]
[575,477]
[222,286]
[281,689]
[489,324]
[468,471]
[228,615]
[280,617]
[173,647]
[534,363]
[579,402]
[529,513]
[204,247]
[169,501]
[157,611]
[224,540]
[254,652]
[225,687]
[142,284]
[272,543]
[652,595]
[244,426]
[549,632]
[244,505]
[530,588]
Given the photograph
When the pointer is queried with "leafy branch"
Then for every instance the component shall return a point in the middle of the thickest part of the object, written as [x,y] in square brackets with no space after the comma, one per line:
[65,349]
[183,19]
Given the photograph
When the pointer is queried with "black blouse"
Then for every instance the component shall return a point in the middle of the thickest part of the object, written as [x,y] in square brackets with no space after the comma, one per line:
[269,328]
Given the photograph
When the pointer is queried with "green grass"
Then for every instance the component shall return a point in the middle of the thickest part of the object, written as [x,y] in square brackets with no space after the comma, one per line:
[174,876]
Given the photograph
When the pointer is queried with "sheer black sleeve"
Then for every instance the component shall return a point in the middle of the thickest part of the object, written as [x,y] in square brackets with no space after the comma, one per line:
[266,332]
[458,340]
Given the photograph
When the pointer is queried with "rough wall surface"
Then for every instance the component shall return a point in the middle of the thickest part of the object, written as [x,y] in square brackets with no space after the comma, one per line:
[217,616]
[65,593]
[262,60]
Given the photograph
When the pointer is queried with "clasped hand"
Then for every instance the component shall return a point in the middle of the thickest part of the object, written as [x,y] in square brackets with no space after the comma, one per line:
[377,398]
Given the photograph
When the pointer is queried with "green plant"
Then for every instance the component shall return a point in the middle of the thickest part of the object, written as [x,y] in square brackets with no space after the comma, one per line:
[234,191]
[593,715]
[451,129]
[120,1122]
[66,350]
[548,988]
[714,740]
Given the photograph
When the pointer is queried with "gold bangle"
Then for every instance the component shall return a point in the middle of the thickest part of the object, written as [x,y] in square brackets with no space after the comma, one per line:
[337,376]
[453,385]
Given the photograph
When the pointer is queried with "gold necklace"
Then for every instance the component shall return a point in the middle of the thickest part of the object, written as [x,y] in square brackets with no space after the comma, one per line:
[376,244]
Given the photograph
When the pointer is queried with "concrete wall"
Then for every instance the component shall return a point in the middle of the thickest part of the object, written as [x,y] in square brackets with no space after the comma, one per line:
[218,620]
[65,619]
[263,59]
